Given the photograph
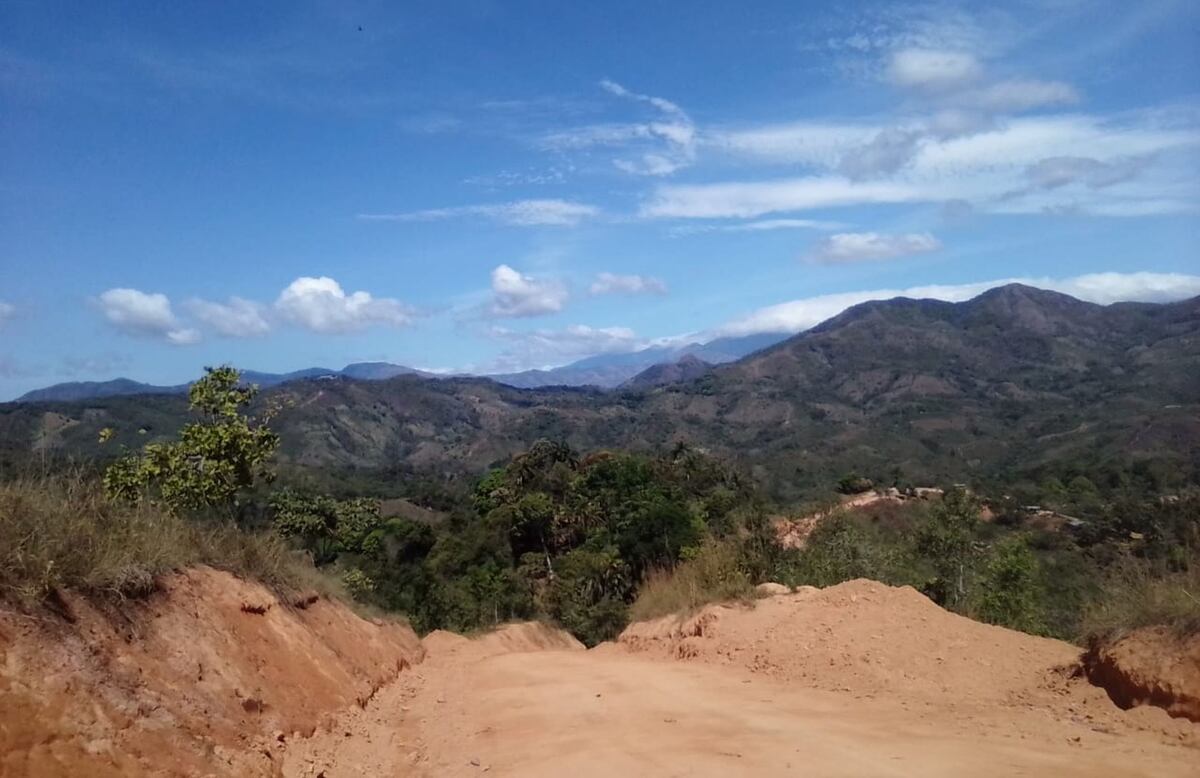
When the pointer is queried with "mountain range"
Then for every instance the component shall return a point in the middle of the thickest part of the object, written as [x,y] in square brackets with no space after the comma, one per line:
[1016,380]
[604,370]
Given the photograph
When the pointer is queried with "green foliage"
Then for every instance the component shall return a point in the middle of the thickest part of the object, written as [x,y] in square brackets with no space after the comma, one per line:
[853,483]
[1009,587]
[326,527]
[552,535]
[947,540]
[212,460]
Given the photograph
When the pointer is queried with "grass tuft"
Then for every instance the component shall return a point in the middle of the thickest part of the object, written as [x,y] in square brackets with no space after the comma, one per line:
[1136,594]
[713,574]
[61,532]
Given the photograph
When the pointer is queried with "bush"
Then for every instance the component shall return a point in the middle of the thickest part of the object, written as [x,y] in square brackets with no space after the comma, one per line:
[1010,591]
[713,573]
[62,532]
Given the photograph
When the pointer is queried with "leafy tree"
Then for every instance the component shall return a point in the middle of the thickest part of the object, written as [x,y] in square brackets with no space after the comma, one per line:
[946,540]
[1010,587]
[853,483]
[212,461]
[326,527]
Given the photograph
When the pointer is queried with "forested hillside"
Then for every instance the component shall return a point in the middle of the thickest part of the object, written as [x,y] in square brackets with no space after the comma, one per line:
[1015,383]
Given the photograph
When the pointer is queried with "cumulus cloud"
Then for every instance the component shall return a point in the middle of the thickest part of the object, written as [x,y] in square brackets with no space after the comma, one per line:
[144,314]
[611,283]
[520,213]
[237,318]
[321,305]
[545,348]
[516,295]
[932,69]
[845,247]
[1102,288]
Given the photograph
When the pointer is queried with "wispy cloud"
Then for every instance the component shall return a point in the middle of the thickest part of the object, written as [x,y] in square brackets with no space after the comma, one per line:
[521,213]
[657,147]
[847,247]
[544,348]
[756,198]
[236,318]
[611,283]
[7,312]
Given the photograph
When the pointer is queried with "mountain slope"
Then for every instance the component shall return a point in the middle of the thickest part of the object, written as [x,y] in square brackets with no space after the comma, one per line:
[1007,382]
[688,368]
[611,370]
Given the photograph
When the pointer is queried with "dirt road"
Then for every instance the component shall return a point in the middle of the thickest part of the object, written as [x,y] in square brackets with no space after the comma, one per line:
[606,712]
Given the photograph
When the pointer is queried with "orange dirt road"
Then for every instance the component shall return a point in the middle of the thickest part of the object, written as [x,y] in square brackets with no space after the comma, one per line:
[606,712]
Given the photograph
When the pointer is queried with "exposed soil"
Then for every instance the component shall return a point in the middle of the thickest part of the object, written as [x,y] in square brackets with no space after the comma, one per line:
[1150,667]
[857,679]
[211,676]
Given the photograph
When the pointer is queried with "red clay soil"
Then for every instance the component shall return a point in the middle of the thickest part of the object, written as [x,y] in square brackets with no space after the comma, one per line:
[858,679]
[210,677]
[1151,666]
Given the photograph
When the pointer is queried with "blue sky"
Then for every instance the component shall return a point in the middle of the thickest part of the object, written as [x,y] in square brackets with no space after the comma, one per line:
[493,186]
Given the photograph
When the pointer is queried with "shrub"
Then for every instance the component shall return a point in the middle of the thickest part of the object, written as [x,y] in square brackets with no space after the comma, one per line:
[713,573]
[1010,592]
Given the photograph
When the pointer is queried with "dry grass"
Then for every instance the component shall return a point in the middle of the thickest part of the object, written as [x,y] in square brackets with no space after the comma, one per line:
[714,574]
[61,532]
[1135,594]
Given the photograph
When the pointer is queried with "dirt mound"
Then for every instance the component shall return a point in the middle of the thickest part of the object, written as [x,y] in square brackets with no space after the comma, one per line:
[859,636]
[505,639]
[212,676]
[1150,667]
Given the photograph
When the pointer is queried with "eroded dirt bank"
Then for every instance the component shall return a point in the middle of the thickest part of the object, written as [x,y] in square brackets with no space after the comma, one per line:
[857,679]
[210,677]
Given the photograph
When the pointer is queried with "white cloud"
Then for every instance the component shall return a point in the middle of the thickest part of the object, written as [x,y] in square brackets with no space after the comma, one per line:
[1055,172]
[610,283]
[1103,288]
[321,305]
[760,225]
[933,69]
[549,348]
[845,247]
[660,147]
[238,318]
[521,213]
[144,314]
[516,295]
[959,157]
[751,199]
[1023,95]
[7,311]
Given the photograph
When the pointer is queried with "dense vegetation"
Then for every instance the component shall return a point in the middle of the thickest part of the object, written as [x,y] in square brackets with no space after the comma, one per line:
[589,540]
[1130,563]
